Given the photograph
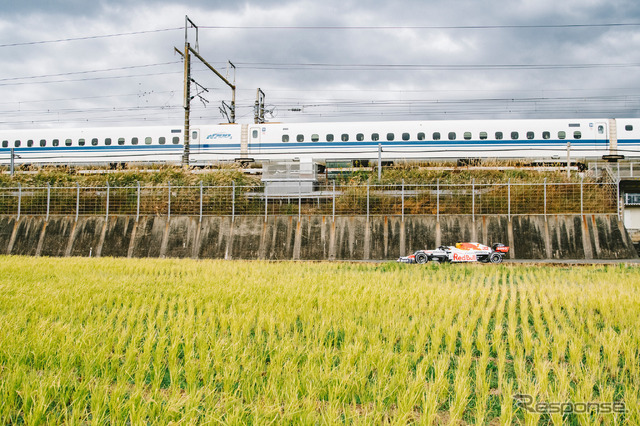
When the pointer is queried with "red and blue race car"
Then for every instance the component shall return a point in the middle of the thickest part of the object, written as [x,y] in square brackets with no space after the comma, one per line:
[461,252]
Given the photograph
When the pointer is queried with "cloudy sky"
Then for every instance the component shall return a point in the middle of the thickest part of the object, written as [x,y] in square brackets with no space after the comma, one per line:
[75,63]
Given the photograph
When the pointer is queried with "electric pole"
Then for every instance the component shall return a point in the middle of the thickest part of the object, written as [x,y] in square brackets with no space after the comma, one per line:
[188,51]
[258,116]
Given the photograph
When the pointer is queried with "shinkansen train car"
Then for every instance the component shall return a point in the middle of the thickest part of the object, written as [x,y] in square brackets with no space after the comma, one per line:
[557,139]
[433,140]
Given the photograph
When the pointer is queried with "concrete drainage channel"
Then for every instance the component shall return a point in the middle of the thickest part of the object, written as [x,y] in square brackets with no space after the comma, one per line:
[313,237]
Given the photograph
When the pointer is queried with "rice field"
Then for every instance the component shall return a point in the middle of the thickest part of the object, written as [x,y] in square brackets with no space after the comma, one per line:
[135,341]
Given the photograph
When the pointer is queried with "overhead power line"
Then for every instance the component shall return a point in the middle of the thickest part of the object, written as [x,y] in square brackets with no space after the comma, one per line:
[424,67]
[89,71]
[418,27]
[93,37]
[324,28]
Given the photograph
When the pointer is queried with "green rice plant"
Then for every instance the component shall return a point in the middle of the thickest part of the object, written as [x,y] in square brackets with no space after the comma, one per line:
[158,341]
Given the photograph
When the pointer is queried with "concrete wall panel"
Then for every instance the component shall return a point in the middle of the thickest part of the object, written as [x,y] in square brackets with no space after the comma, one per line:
[28,236]
[315,237]
[147,241]
[55,239]
[7,224]
[118,235]
[181,236]
[87,236]
[214,237]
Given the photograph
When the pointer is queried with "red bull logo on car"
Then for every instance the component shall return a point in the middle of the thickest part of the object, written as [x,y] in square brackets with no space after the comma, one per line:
[466,257]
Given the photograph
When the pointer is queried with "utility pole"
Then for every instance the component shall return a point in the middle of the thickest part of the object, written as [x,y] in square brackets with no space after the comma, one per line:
[188,51]
[187,103]
[258,116]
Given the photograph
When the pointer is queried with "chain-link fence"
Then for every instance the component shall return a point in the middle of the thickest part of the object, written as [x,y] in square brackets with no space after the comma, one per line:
[334,200]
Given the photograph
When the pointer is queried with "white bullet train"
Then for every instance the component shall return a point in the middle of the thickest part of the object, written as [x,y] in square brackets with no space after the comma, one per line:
[537,140]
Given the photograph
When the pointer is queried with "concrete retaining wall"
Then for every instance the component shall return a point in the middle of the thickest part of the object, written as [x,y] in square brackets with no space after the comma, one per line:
[313,237]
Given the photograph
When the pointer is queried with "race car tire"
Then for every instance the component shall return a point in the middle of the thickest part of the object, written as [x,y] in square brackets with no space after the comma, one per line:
[495,258]
[422,258]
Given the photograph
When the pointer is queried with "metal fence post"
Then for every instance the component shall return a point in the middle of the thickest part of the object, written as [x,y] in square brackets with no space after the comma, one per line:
[233,201]
[618,199]
[299,200]
[438,200]
[138,202]
[333,217]
[48,201]
[581,196]
[545,199]
[200,218]
[108,190]
[403,200]
[379,162]
[367,201]
[12,162]
[473,200]
[509,199]
[266,202]
[77,200]
[169,205]
[20,199]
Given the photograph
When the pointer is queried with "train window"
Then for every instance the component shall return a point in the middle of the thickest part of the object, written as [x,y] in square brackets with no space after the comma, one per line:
[421,136]
[406,136]
[601,129]
[55,142]
[285,138]
[315,137]
[467,136]
[499,136]
[360,137]
[546,135]
[515,135]
[530,135]
[254,134]
[162,140]
[390,136]
[628,127]
[452,136]
[30,143]
[94,141]
[147,140]
[483,136]
[120,141]
[43,142]
[107,141]
[134,141]
[67,142]
[375,137]
[81,142]
[194,135]
[300,138]
[330,137]
[16,144]
[344,137]
[436,136]
[562,134]
[176,140]
[577,134]
[5,144]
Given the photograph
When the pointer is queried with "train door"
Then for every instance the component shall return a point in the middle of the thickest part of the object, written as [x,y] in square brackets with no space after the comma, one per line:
[194,142]
[602,135]
[255,139]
